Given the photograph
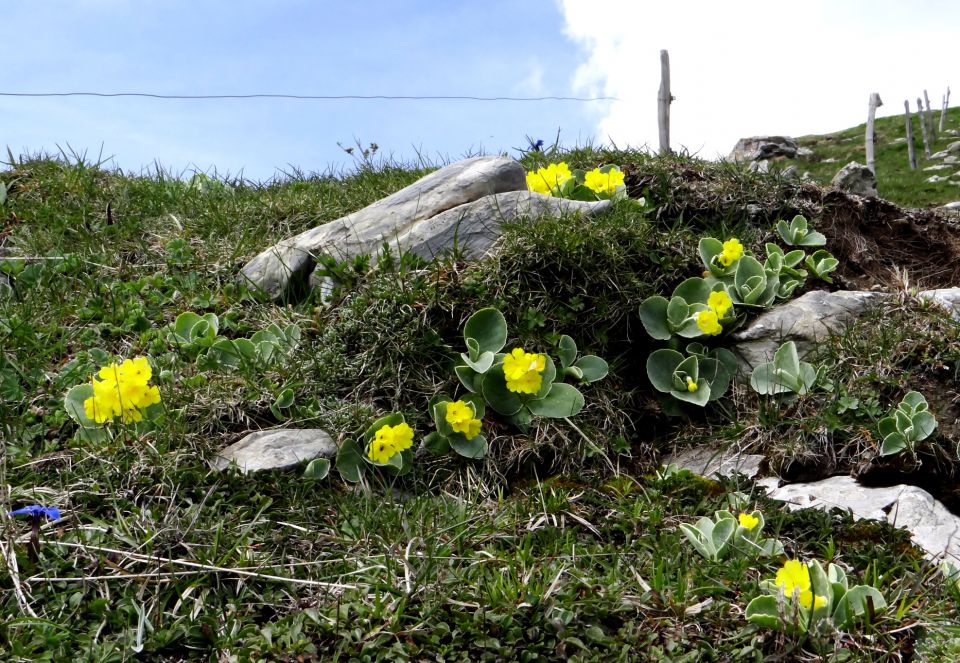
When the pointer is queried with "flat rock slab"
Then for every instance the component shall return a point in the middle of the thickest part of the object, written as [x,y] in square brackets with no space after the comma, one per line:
[276,450]
[711,462]
[805,320]
[932,527]
[473,228]
[365,231]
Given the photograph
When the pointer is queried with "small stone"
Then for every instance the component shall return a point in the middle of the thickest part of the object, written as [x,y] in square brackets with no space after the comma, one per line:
[951,159]
[758,148]
[942,166]
[276,450]
[933,179]
[940,155]
[857,179]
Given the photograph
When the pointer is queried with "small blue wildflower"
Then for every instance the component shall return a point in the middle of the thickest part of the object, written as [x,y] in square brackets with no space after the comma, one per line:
[37,511]
[538,145]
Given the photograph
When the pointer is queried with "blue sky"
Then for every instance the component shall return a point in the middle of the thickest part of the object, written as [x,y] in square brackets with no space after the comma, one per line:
[739,68]
[493,48]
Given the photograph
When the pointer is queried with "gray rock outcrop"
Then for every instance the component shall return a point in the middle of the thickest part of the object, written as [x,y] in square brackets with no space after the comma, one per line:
[365,231]
[857,179]
[276,450]
[805,320]
[757,148]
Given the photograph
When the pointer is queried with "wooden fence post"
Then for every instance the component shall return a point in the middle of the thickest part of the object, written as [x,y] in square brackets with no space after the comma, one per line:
[933,129]
[663,103]
[912,151]
[943,109]
[871,115]
[923,128]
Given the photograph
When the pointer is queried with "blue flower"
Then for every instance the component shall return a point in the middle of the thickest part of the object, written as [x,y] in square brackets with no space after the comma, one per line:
[538,145]
[37,511]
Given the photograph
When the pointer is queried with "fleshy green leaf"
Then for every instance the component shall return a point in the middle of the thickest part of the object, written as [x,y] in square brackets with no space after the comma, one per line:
[489,328]
[593,367]
[764,611]
[563,400]
[318,468]
[350,461]
[495,392]
[566,351]
[473,448]
[653,315]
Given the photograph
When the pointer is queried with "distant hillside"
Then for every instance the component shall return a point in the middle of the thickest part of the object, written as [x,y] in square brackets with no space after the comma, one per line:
[895,181]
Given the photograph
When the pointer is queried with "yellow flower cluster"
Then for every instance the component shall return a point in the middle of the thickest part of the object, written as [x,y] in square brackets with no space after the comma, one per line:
[523,371]
[388,441]
[709,321]
[603,183]
[548,180]
[122,391]
[732,252]
[691,385]
[461,417]
[794,580]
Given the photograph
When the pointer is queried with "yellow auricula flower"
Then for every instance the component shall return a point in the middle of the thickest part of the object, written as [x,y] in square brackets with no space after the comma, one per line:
[691,385]
[748,520]
[732,252]
[121,391]
[388,441]
[720,302]
[523,371]
[603,183]
[708,322]
[793,576]
[460,416]
[549,180]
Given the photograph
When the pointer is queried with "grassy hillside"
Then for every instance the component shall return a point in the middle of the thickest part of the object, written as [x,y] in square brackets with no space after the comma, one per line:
[895,180]
[562,544]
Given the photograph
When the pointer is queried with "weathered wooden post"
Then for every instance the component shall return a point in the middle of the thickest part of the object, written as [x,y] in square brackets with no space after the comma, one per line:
[933,129]
[923,128]
[912,151]
[663,103]
[943,110]
[871,116]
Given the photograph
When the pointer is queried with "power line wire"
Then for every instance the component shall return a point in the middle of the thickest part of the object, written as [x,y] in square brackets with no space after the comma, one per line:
[332,97]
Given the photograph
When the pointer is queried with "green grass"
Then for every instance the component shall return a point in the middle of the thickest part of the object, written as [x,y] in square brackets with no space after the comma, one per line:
[561,545]
[895,180]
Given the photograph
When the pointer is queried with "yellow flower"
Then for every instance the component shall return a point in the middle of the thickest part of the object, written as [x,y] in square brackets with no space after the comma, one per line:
[748,520]
[460,416]
[732,252]
[720,302]
[793,577]
[691,385]
[603,183]
[537,184]
[708,322]
[808,599]
[121,391]
[388,441]
[523,371]
[549,180]
[472,429]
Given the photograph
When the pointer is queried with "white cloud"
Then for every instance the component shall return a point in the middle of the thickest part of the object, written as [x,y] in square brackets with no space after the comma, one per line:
[749,67]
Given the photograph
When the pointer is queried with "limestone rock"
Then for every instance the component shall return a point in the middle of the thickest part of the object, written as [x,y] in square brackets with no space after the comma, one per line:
[948,298]
[474,227]
[804,320]
[941,166]
[365,231]
[951,159]
[276,450]
[856,179]
[712,462]
[933,179]
[953,148]
[758,148]
[932,527]
[955,205]
[940,155]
